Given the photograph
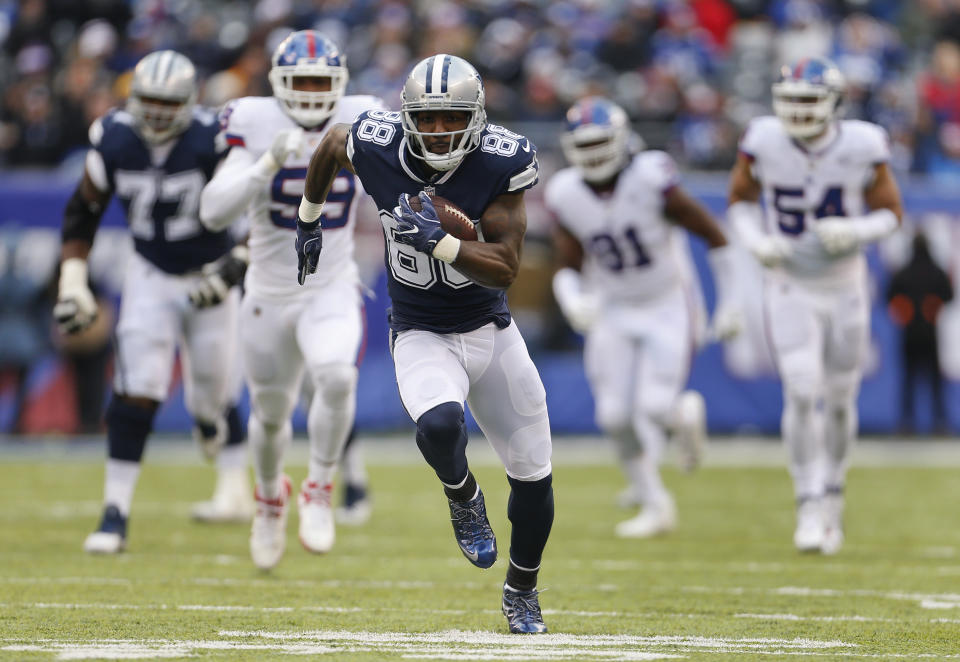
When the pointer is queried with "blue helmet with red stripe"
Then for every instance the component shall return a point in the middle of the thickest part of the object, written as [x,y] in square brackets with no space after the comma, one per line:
[308,53]
[443,83]
[807,96]
[597,138]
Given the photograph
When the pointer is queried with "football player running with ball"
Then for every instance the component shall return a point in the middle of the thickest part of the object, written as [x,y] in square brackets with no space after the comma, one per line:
[623,285]
[288,332]
[155,156]
[453,339]
[827,191]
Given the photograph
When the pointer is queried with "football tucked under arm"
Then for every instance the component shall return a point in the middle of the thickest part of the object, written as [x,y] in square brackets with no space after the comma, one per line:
[453,220]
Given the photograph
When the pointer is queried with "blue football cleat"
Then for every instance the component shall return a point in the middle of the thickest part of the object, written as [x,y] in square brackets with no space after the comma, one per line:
[522,609]
[111,536]
[472,530]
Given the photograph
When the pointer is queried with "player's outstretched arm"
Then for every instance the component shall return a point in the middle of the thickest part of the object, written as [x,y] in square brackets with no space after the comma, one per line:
[746,217]
[843,234]
[578,306]
[690,214]
[686,212]
[327,160]
[76,308]
[240,176]
[495,261]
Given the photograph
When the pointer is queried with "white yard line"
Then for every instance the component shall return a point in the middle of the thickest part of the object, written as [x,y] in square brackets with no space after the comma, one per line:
[926,600]
[448,645]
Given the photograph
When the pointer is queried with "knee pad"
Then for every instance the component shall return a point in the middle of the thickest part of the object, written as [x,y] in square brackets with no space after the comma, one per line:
[611,417]
[442,439]
[335,382]
[801,396]
[128,426]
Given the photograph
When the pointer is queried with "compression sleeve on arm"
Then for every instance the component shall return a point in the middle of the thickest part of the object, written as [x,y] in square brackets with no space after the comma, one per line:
[81,218]
[746,218]
[226,196]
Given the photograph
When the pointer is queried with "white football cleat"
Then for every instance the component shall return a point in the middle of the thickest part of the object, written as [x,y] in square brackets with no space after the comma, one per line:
[316,517]
[691,429]
[232,499]
[832,523]
[268,536]
[653,520]
[111,536]
[808,537]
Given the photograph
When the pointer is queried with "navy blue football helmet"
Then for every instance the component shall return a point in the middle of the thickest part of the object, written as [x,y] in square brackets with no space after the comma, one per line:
[308,53]
[807,96]
[597,138]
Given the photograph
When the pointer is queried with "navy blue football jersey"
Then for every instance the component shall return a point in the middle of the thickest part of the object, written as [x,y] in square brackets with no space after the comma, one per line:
[162,200]
[427,293]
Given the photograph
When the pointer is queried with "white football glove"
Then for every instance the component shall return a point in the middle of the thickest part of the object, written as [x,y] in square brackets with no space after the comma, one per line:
[728,321]
[581,312]
[770,250]
[76,308]
[285,143]
[579,307]
[836,233]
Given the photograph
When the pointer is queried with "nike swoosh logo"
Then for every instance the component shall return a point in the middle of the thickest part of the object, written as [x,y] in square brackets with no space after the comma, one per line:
[473,556]
[526,146]
[413,230]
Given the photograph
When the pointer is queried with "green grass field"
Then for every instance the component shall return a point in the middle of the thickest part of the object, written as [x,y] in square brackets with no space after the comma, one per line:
[727,585]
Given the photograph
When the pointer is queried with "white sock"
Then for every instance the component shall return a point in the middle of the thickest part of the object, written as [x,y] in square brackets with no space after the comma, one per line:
[352,467]
[653,438]
[268,444]
[232,456]
[120,480]
[328,427]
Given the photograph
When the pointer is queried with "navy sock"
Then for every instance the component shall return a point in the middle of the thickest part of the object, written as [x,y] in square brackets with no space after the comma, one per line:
[530,510]
[465,492]
[236,427]
[128,426]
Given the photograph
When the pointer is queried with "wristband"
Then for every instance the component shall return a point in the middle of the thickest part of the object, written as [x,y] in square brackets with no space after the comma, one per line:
[447,249]
[309,211]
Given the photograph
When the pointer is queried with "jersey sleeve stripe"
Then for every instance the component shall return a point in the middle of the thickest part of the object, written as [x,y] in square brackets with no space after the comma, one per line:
[524,179]
[235,141]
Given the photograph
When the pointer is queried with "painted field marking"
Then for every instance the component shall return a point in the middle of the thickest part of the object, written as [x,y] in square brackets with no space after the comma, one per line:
[447,645]
[925,600]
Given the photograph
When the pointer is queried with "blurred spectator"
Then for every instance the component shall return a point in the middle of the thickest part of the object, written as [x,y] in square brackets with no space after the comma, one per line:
[706,63]
[938,122]
[915,295]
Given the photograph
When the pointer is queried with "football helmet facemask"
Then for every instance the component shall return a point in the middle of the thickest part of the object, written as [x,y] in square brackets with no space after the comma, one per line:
[807,96]
[443,83]
[308,53]
[163,91]
[597,138]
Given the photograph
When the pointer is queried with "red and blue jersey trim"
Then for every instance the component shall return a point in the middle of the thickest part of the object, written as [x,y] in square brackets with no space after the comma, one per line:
[235,141]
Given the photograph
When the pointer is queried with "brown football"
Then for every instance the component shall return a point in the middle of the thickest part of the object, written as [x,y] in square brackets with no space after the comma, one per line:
[453,220]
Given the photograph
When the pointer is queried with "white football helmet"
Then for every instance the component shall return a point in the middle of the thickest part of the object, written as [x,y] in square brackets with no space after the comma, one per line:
[597,138]
[807,97]
[163,91]
[308,53]
[443,82]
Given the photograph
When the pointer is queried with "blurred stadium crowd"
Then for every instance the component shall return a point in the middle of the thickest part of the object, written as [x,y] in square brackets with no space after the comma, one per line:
[690,73]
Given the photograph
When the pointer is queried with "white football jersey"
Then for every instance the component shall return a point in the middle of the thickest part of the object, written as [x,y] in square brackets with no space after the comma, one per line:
[629,246]
[801,185]
[252,123]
